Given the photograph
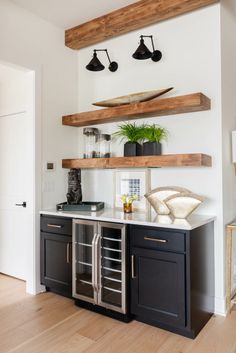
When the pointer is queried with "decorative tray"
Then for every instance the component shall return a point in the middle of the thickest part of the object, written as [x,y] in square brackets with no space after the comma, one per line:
[84,206]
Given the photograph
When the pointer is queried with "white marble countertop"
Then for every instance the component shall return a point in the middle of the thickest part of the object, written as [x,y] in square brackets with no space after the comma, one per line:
[139,218]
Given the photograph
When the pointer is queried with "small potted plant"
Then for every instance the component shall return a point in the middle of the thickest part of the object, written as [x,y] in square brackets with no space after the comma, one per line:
[153,135]
[132,134]
[128,202]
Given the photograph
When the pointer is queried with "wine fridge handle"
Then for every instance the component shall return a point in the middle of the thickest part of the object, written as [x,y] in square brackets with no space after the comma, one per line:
[93,261]
[96,262]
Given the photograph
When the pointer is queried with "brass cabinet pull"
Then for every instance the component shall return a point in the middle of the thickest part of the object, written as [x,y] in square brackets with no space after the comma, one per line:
[54,225]
[68,253]
[156,240]
[132,267]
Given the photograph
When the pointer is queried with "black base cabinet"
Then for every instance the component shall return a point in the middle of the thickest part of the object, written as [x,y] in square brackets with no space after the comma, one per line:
[172,277]
[169,272]
[159,281]
[56,253]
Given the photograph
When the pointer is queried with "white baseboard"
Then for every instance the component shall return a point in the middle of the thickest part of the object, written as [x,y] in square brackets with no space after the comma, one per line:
[35,290]
[220,306]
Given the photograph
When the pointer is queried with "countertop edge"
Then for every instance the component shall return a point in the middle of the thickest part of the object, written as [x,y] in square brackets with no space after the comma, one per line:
[193,222]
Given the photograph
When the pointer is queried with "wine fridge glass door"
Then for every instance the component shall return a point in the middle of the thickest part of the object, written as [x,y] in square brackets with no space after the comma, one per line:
[84,234]
[112,266]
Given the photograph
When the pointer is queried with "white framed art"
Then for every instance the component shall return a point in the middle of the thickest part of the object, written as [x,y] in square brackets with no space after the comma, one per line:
[132,182]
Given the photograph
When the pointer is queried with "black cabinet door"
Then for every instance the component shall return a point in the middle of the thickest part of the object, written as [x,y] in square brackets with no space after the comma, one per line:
[158,286]
[56,264]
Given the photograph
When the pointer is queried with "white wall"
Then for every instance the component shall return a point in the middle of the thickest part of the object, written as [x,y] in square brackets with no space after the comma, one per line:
[32,43]
[13,95]
[191,63]
[228,50]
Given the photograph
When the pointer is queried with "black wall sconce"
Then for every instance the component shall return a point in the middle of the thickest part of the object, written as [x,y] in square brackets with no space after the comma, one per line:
[96,65]
[143,53]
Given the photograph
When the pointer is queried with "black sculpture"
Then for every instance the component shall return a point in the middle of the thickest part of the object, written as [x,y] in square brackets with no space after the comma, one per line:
[74,195]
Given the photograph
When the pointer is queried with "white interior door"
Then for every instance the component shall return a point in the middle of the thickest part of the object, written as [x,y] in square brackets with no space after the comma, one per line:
[16,173]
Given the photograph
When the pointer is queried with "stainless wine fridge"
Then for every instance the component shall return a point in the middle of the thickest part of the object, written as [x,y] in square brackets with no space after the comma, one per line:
[99,264]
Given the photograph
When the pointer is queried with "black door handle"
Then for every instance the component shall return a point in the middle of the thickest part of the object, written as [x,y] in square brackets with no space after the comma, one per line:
[23,204]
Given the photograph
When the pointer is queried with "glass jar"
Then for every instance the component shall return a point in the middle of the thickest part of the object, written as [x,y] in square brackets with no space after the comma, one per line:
[90,134]
[103,146]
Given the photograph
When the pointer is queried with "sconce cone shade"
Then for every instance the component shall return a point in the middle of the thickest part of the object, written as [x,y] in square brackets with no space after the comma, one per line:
[142,53]
[95,64]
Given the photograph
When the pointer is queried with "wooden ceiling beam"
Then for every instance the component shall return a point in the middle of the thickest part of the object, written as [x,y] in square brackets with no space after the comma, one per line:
[129,18]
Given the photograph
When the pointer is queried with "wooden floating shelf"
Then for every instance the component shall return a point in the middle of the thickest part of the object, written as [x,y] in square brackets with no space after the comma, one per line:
[138,15]
[169,160]
[158,107]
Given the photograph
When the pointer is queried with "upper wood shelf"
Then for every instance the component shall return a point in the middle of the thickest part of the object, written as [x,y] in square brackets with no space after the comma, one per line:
[159,107]
[169,160]
[138,15]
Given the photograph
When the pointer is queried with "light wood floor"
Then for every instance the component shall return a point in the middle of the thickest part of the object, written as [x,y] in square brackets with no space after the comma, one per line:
[48,323]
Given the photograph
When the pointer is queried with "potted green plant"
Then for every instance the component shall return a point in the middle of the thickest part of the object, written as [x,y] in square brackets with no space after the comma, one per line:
[132,134]
[153,135]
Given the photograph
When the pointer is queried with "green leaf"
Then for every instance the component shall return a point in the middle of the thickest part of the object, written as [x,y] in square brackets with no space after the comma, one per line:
[155,133]
[130,132]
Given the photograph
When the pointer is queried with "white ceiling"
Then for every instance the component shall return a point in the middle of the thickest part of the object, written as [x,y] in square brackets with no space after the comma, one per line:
[70,13]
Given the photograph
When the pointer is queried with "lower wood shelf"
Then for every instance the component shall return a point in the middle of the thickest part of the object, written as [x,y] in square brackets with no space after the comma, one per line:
[169,160]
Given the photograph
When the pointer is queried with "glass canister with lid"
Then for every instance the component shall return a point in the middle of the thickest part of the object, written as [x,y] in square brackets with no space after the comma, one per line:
[103,145]
[90,145]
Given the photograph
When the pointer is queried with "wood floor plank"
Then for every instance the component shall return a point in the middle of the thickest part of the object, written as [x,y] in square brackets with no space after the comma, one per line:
[99,327]
[8,284]
[13,338]
[61,337]
[218,336]
[48,323]
[174,344]
[134,337]
[44,320]
[35,314]
[74,344]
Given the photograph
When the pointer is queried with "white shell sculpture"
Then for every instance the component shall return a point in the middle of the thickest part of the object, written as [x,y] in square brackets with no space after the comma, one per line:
[183,204]
[157,196]
[164,219]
